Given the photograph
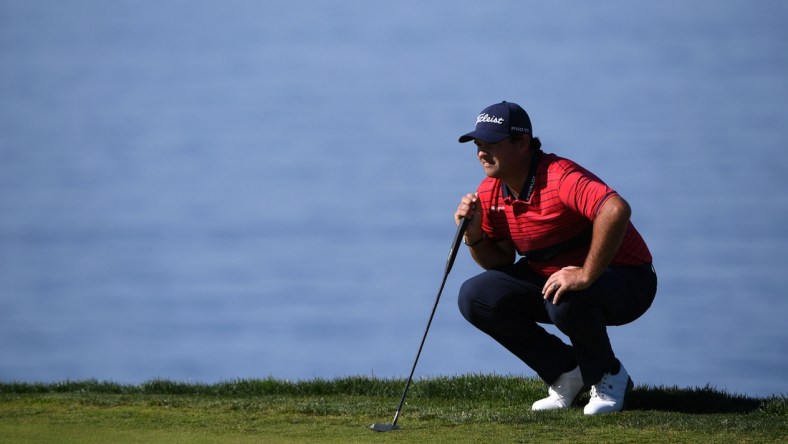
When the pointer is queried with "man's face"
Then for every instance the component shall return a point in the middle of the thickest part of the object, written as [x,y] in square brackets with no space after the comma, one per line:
[500,158]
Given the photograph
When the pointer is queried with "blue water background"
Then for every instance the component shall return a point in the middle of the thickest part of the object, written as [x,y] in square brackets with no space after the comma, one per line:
[204,191]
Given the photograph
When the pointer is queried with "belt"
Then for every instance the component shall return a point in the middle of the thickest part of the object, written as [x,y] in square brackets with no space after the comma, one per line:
[582,239]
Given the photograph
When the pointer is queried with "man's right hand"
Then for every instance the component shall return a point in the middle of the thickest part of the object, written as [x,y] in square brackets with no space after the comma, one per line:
[470,209]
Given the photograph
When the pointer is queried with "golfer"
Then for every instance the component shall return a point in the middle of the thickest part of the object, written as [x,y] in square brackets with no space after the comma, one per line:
[583,265]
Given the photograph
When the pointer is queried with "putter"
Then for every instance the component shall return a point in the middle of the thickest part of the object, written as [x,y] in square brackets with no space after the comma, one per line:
[378,427]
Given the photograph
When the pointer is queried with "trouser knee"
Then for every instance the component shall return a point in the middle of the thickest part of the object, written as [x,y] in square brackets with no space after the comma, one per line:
[467,302]
[568,315]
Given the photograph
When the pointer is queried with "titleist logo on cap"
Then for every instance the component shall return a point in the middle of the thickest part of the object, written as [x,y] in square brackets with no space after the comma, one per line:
[488,118]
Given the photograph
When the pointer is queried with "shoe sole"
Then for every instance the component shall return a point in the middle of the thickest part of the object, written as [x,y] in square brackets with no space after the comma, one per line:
[630,386]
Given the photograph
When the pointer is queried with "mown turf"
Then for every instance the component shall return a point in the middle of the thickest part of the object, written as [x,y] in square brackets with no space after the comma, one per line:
[469,408]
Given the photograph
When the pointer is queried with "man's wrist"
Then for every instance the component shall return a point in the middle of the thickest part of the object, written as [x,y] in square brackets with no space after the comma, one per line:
[477,241]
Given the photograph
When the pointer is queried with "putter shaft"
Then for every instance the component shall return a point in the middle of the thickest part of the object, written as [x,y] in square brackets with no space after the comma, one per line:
[449,263]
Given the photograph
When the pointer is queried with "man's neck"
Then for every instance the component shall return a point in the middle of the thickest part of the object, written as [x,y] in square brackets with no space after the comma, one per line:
[516,184]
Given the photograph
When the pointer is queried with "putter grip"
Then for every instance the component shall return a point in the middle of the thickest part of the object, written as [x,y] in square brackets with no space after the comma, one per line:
[456,245]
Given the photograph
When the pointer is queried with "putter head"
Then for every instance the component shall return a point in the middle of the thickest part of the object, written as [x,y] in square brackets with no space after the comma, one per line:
[383,427]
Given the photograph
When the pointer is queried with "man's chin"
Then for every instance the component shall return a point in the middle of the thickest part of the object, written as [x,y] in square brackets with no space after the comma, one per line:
[491,171]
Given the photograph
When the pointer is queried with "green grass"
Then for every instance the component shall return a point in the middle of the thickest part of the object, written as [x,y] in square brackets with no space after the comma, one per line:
[472,408]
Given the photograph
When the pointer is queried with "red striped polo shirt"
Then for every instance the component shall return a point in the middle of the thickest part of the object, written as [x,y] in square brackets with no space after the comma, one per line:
[562,203]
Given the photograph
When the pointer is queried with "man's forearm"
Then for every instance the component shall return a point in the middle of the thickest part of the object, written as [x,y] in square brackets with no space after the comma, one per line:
[610,225]
[490,254]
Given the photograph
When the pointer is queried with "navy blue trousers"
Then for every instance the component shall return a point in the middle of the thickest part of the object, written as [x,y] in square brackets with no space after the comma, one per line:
[507,304]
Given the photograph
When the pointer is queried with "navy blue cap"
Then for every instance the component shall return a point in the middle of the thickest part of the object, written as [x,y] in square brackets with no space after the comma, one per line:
[498,122]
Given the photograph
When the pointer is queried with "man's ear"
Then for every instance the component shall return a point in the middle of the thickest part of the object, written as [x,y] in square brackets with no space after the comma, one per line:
[525,142]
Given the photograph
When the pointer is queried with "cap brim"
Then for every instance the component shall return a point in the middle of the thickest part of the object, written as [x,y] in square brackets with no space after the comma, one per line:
[484,136]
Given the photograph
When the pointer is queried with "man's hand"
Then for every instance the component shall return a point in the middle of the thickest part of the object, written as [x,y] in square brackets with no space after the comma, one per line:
[564,280]
[471,210]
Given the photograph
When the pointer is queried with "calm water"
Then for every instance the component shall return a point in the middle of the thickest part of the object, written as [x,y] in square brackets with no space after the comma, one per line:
[206,191]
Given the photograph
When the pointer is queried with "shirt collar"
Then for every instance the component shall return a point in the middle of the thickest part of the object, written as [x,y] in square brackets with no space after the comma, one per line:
[530,183]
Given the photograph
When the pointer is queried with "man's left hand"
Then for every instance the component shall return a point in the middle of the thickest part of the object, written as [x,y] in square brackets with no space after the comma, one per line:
[565,280]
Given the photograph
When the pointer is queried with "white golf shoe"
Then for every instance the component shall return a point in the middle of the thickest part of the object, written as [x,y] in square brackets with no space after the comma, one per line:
[609,394]
[563,393]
